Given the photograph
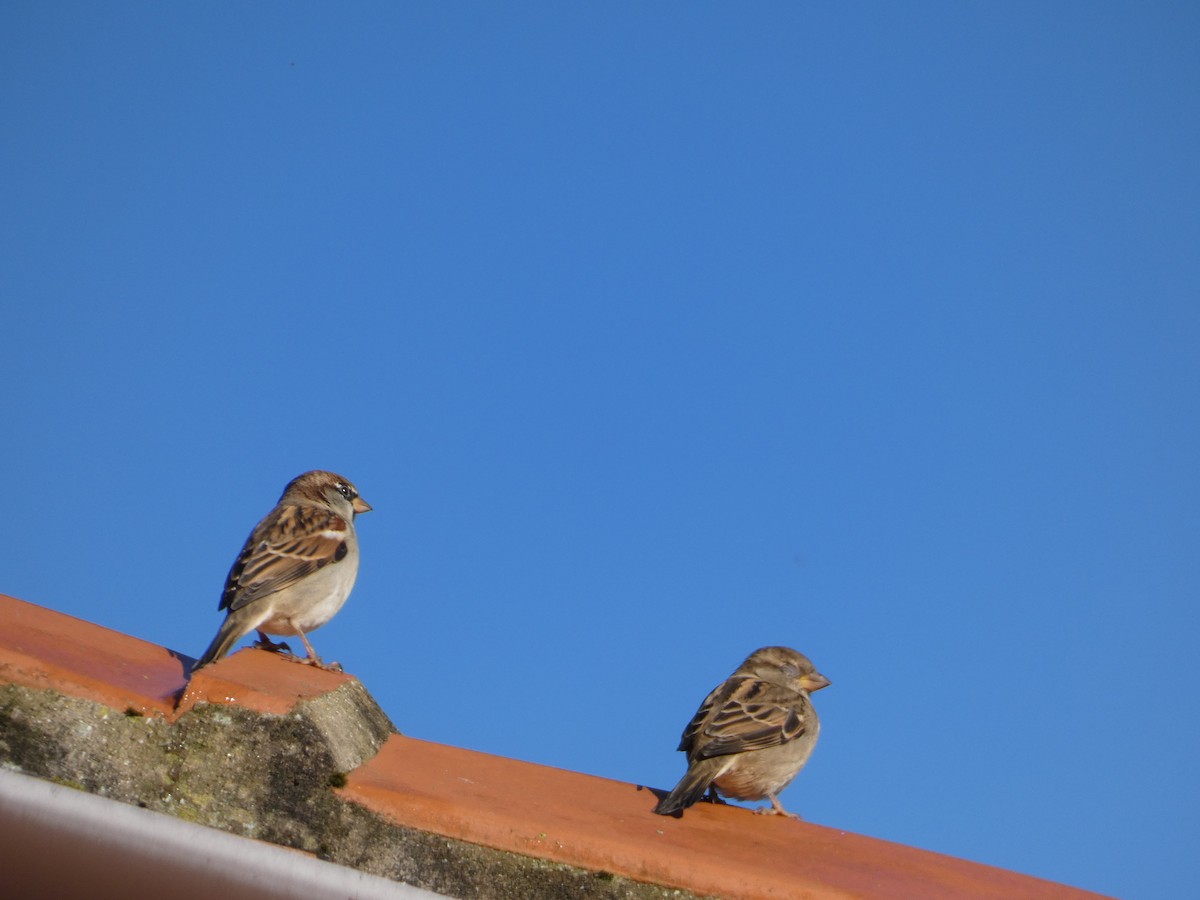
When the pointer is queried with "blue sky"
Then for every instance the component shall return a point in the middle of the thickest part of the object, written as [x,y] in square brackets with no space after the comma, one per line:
[655,333]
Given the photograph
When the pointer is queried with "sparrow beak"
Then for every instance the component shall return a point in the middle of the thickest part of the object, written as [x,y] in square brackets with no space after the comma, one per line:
[814,682]
[360,505]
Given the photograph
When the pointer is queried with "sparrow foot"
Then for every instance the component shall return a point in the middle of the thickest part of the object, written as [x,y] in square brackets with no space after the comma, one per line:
[265,643]
[313,659]
[316,662]
[776,809]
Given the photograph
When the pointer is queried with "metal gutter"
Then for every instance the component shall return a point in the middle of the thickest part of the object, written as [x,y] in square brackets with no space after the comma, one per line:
[64,843]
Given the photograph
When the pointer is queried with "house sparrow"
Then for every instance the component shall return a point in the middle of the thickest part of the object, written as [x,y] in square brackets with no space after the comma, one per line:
[296,569]
[753,734]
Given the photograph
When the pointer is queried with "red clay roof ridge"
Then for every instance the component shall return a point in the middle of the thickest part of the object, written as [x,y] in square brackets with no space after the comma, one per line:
[581,821]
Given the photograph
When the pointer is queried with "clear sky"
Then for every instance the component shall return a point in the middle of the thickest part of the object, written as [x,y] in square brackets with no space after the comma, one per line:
[655,333]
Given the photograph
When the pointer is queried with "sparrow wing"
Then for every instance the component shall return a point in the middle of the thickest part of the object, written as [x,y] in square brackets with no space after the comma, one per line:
[290,543]
[716,699]
[750,715]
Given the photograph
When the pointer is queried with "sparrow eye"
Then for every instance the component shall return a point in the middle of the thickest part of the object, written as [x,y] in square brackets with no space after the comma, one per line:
[346,491]
[789,670]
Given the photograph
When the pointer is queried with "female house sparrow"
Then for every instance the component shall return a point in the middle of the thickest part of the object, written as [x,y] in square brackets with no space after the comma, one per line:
[753,734]
[296,568]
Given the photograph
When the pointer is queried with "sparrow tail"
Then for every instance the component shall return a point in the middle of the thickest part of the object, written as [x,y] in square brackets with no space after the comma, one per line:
[231,630]
[691,788]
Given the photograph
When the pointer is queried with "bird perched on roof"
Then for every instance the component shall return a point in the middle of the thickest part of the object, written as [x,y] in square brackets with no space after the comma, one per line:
[753,734]
[296,568]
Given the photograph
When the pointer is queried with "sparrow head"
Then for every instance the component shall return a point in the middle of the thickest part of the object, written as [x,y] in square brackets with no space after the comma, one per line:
[327,488]
[785,667]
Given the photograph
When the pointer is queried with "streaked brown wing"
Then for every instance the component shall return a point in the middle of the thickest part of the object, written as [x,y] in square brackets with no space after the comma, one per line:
[754,715]
[715,698]
[292,542]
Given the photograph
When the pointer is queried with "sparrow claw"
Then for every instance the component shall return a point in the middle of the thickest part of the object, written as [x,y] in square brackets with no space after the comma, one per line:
[323,666]
[713,797]
[265,643]
[316,662]
[776,809]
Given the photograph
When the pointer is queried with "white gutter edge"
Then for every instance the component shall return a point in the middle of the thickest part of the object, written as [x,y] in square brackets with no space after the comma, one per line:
[60,842]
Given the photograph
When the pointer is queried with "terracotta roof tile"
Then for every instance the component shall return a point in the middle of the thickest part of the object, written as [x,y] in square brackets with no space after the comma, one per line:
[41,648]
[605,825]
[538,811]
[254,679]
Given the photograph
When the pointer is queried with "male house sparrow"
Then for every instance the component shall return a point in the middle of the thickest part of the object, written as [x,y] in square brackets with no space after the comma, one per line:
[753,734]
[296,568]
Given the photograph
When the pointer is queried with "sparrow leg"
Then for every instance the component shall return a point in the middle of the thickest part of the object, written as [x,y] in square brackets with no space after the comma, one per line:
[265,643]
[313,659]
[776,809]
[713,797]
